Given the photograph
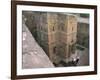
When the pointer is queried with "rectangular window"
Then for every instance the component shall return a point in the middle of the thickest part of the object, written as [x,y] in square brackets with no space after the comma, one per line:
[54,50]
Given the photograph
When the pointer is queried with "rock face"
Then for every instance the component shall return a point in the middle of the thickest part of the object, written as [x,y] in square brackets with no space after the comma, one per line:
[33,55]
[54,32]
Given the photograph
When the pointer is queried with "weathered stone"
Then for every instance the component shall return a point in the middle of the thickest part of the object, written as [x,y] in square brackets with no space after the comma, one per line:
[33,55]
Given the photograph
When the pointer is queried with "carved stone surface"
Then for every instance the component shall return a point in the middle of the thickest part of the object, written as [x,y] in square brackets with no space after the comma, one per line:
[33,55]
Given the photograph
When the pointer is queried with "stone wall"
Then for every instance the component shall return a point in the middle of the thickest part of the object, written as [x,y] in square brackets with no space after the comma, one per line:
[33,56]
[83,34]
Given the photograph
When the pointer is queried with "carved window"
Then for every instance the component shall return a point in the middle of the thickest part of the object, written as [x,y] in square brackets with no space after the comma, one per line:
[72,28]
[53,28]
[54,50]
